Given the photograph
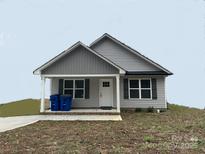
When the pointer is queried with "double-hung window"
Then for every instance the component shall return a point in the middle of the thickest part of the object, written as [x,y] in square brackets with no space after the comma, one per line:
[134,89]
[140,89]
[75,88]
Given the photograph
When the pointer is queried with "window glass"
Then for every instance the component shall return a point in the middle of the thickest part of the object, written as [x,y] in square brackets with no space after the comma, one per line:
[106,84]
[79,83]
[134,83]
[146,93]
[78,93]
[134,93]
[68,92]
[140,88]
[145,83]
[68,83]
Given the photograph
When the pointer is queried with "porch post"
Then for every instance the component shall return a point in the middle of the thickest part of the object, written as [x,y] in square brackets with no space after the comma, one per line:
[118,92]
[42,107]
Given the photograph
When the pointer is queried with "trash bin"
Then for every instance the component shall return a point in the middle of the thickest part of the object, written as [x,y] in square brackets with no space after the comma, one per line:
[54,100]
[65,102]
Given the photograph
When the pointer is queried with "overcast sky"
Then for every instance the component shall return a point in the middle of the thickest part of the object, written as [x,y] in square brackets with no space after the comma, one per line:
[170,32]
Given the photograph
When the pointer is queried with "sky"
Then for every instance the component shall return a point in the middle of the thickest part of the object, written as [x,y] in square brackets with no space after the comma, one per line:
[170,32]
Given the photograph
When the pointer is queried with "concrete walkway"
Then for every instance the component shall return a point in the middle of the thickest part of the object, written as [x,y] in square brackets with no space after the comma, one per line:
[9,123]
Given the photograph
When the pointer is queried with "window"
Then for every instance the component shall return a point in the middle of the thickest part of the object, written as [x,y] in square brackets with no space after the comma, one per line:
[134,89]
[140,88]
[79,88]
[75,88]
[106,84]
[68,87]
[145,88]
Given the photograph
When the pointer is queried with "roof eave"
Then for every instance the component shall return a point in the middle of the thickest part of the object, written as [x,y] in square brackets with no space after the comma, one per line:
[147,73]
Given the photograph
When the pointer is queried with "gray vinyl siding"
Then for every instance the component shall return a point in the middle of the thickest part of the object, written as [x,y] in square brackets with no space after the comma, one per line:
[122,57]
[80,61]
[93,101]
[157,103]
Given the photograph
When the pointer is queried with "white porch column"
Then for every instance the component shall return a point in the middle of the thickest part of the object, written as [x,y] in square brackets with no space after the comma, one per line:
[42,107]
[118,92]
[51,85]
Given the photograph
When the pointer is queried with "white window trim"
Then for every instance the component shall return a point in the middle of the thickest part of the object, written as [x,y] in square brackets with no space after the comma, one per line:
[74,87]
[140,95]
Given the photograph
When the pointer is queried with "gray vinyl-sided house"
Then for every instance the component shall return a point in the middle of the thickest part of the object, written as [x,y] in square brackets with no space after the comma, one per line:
[106,74]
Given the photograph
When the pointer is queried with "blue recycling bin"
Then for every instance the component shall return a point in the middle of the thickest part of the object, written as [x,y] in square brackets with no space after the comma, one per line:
[54,100]
[65,102]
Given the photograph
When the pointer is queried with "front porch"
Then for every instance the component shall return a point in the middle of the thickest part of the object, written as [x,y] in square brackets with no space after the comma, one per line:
[83,112]
[86,100]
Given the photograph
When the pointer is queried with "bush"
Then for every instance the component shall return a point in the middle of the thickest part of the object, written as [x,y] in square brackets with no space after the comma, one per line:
[150,109]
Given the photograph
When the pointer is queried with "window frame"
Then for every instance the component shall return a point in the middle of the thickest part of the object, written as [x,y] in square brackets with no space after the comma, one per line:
[140,89]
[74,88]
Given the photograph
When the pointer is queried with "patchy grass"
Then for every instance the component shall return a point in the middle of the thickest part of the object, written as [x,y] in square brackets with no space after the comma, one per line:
[148,138]
[179,130]
[23,107]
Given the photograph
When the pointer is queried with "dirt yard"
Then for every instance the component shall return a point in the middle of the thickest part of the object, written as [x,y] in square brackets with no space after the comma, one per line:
[179,130]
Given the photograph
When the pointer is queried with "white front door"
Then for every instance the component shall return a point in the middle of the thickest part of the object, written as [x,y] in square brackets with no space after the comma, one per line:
[106,92]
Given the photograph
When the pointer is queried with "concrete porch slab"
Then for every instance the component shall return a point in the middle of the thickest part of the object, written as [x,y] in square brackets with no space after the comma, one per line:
[82,112]
[81,117]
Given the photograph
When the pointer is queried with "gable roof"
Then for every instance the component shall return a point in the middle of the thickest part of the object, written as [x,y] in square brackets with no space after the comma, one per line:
[42,67]
[164,70]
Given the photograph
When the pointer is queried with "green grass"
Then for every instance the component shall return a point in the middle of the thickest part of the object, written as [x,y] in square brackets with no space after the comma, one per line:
[23,107]
[148,138]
